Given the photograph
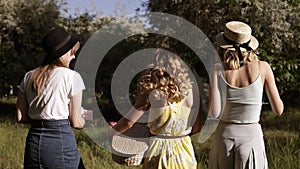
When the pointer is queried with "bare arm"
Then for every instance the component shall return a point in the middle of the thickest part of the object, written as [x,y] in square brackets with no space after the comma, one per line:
[189,102]
[271,89]
[133,115]
[22,108]
[75,111]
[214,101]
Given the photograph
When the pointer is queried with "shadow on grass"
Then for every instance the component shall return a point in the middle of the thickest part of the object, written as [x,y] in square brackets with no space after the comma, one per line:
[8,109]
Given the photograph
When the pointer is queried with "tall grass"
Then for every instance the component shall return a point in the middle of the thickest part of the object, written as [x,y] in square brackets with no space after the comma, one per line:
[12,144]
[283,149]
[281,139]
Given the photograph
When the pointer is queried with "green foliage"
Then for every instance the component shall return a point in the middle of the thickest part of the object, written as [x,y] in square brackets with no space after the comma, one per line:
[24,22]
[275,23]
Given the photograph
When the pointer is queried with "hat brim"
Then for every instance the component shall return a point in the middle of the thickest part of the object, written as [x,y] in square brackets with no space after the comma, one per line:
[49,58]
[222,43]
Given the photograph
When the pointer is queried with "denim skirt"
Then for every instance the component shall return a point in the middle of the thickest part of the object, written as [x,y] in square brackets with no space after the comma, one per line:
[51,145]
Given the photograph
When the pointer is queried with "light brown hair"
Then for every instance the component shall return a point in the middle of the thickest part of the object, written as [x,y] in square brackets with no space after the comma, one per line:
[231,59]
[40,75]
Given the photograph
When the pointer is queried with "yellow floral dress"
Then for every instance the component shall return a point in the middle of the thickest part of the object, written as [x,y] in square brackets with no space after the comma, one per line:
[170,147]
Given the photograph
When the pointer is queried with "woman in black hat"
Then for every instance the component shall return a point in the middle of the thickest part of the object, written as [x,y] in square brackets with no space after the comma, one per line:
[50,100]
[238,142]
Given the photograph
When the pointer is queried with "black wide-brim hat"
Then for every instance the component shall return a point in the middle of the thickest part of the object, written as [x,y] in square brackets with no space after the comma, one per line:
[57,43]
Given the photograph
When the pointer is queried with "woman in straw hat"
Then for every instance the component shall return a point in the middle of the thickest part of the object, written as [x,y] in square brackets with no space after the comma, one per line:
[238,142]
[166,90]
[50,100]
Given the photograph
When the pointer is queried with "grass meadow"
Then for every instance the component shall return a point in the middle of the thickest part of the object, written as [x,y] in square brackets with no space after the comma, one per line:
[281,138]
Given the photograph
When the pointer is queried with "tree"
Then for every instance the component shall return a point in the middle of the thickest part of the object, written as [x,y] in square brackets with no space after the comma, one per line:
[24,22]
[275,23]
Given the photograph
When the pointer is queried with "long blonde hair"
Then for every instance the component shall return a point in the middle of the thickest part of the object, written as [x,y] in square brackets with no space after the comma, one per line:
[40,76]
[231,58]
[169,75]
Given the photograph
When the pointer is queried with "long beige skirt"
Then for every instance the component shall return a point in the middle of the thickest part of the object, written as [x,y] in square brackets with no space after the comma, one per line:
[236,146]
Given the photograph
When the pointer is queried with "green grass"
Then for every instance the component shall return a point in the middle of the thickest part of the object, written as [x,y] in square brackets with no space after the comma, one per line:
[283,149]
[281,139]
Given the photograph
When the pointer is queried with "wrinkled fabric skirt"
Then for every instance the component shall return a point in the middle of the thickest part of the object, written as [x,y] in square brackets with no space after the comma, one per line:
[236,146]
[51,145]
[177,153]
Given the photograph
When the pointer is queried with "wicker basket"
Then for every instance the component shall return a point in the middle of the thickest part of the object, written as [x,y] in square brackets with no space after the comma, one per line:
[130,147]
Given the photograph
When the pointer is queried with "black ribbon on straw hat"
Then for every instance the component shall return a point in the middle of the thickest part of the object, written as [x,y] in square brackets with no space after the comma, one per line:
[237,36]
[237,47]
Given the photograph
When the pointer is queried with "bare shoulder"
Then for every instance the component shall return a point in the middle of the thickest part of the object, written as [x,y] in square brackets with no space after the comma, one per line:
[265,67]
[264,64]
[266,71]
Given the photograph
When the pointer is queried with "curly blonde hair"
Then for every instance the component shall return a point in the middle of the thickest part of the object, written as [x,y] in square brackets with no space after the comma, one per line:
[169,75]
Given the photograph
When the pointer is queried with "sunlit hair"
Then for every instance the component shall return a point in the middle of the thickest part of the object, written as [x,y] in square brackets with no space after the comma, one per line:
[169,75]
[40,75]
[231,58]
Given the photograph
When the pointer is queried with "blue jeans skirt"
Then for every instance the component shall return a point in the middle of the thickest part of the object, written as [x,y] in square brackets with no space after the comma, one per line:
[51,145]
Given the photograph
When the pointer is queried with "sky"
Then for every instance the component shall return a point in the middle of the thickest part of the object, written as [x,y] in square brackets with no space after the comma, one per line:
[108,7]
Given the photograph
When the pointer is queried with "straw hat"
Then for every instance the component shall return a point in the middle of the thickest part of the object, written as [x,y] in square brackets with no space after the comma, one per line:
[237,34]
[56,43]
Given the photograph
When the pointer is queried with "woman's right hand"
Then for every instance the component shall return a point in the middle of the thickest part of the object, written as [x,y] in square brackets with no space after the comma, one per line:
[87,114]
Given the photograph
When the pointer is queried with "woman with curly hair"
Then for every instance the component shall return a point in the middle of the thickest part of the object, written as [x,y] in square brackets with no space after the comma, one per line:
[166,89]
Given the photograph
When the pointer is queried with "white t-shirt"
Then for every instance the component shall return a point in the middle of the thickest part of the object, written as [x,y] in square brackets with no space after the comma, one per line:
[53,104]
